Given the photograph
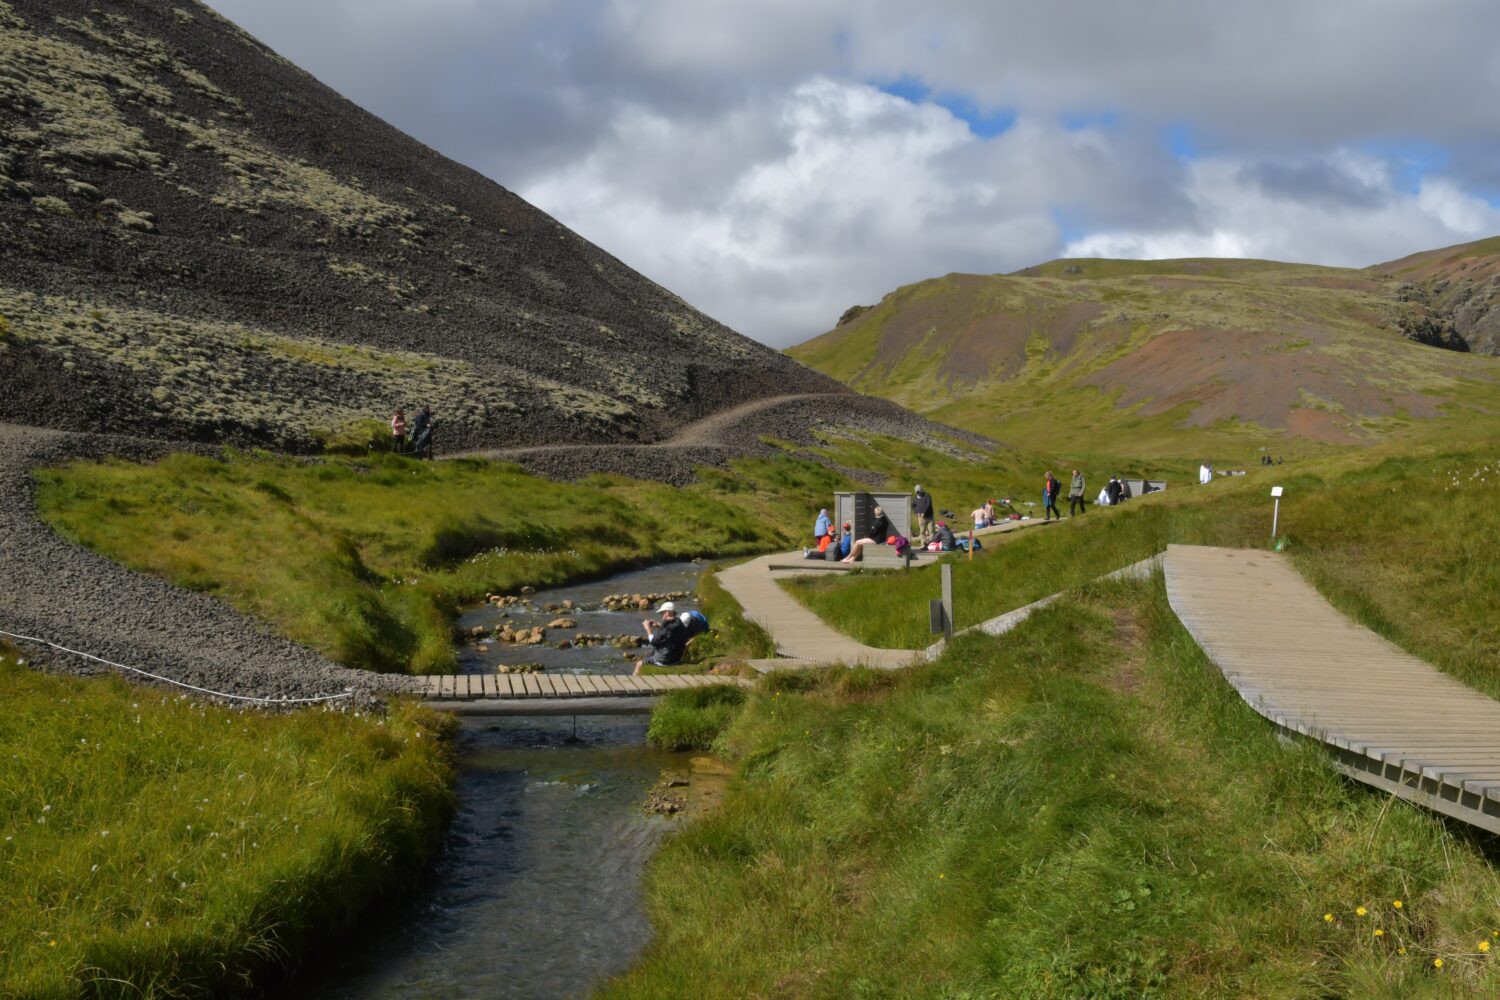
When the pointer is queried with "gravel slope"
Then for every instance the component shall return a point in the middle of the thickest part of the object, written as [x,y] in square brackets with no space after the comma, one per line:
[55,590]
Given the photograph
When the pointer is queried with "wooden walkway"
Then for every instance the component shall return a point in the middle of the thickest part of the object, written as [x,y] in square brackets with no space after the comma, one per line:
[557,693]
[1389,719]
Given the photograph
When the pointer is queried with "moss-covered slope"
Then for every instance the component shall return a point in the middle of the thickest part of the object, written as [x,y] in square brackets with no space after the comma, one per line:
[193,231]
[1134,356]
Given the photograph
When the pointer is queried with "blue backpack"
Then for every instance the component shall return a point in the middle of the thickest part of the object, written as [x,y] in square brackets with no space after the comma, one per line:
[694,622]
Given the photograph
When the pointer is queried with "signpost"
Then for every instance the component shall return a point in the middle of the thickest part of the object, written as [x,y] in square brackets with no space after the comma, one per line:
[1275,510]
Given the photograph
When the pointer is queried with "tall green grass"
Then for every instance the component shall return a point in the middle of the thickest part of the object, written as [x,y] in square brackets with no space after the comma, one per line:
[160,847]
[1084,809]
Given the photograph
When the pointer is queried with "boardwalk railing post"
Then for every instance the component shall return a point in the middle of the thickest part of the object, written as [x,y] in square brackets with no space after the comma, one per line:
[947,571]
[1275,510]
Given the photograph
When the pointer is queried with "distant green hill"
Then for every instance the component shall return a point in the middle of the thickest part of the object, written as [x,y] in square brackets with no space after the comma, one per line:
[1181,356]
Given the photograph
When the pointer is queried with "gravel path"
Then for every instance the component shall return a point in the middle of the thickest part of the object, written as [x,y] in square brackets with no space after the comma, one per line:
[736,432]
[55,590]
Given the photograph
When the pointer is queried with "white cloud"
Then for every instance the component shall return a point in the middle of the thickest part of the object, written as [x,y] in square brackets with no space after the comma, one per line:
[856,192]
[1237,214]
[736,153]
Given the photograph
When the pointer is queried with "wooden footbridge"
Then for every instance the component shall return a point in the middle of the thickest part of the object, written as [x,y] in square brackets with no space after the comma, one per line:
[557,693]
[1389,719]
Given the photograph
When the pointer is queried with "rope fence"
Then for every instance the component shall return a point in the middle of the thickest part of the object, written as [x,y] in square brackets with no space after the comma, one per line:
[182,684]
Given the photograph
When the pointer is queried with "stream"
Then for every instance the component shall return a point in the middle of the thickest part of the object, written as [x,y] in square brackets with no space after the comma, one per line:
[537,893]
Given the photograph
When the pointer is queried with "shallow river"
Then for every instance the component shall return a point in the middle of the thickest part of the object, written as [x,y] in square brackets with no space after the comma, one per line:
[538,891]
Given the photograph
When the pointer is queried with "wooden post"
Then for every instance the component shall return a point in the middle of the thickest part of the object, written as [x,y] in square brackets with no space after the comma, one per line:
[948,601]
[971,545]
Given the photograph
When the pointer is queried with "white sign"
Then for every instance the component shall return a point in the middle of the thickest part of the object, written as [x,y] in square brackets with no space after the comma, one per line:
[1276,491]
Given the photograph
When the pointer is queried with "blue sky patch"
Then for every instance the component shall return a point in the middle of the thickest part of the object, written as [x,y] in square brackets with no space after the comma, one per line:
[985,123]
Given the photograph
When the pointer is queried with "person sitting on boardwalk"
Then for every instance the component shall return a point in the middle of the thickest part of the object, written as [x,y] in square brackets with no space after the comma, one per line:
[1076,494]
[844,544]
[398,432]
[943,537]
[822,534]
[880,532]
[668,638]
[1050,489]
[921,509]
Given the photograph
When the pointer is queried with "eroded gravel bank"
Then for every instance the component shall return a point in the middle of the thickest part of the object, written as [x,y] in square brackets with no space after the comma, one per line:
[55,590]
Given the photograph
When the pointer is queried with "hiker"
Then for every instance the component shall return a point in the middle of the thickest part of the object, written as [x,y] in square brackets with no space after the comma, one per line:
[421,433]
[398,432]
[921,509]
[1205,474]
[1050,489]
[1114,490]
[981,517]
[990,514]
[943,538]
[668,638]
[880,533]
[1125,491]
[1075,494]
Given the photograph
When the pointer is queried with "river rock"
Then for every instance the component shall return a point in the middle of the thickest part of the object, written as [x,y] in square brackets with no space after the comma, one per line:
[568,605]
[565,644]
[562,623]
[528,591]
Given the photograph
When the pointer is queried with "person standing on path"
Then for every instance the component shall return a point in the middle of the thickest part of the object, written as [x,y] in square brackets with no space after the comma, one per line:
[921,508]
[1076,494]
[1050,489]
[822,528]
[398,432]
[1205,474]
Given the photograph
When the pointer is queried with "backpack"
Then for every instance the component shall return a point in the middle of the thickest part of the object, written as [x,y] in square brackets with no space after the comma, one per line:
[694,622]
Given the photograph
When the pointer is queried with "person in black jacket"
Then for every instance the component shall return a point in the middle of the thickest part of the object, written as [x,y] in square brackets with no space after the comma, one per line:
[879,533]
[668,638]
[944,537]
[921,509]
[1113,490]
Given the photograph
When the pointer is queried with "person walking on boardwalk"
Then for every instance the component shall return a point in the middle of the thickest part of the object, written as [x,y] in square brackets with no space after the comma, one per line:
[1050,489]
[1076,494]
[921,509]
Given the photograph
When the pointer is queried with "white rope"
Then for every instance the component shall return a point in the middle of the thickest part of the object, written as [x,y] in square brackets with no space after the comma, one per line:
[190,687]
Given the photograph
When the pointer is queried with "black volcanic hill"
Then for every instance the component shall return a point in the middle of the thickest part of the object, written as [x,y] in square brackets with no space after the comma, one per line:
[199,240]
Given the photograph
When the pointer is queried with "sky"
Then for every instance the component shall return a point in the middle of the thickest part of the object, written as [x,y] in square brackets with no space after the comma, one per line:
[777,161]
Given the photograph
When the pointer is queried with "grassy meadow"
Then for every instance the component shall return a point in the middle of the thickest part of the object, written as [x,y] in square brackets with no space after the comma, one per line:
[1404,544]
[957,831]
[368,559]
[157,847]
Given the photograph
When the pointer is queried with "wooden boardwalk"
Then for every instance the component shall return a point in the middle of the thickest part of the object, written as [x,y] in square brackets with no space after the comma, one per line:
[557,693]
[1389,719]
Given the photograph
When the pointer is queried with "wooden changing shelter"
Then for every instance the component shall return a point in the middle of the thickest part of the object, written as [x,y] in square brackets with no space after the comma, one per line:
[858,509]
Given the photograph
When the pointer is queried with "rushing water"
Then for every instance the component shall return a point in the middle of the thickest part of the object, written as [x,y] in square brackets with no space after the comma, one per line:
[537,893]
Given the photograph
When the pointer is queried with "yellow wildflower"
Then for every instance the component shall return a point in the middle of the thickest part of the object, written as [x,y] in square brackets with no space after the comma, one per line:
[1379,932]
[1328,918]
[1484,946]
[1401,950]
[1396,903]
[1437,963]
[1360,911]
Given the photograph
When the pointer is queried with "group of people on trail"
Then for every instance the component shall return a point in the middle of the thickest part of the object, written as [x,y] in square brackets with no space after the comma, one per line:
[415,439]
[1052,488]
[1115,491]
[668,637]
